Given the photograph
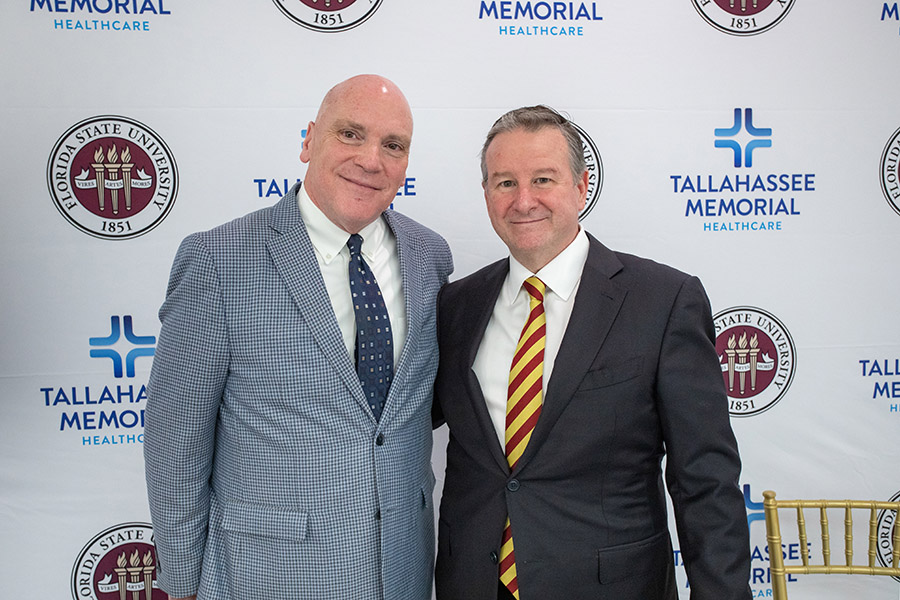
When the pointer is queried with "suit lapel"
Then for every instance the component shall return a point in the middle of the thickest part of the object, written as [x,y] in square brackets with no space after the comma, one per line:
[597,304]
[479,306]
[411,253]
[294,258]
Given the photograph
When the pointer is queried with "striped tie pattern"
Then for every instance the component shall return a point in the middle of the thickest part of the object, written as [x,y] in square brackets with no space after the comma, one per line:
[523,407]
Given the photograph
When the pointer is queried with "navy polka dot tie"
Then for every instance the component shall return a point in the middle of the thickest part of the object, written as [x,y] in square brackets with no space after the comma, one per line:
[374,346]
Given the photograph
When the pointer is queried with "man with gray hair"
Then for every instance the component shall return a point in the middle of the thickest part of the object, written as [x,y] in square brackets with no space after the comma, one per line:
[568,371]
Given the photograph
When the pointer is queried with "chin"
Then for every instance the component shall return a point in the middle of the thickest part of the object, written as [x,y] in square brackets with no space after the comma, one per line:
[530,243]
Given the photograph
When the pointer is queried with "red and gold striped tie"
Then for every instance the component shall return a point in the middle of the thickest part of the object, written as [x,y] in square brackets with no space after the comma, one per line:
[523,407]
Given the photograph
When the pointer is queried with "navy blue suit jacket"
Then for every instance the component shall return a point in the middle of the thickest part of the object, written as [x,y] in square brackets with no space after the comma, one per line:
[636,379]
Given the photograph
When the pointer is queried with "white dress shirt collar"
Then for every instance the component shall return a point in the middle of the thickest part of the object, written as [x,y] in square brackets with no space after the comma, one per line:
[330,240]
[561,275]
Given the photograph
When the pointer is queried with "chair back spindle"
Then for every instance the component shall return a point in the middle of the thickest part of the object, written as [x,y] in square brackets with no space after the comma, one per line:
[780,571]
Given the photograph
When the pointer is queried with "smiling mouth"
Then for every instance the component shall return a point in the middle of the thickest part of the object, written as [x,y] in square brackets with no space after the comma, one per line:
[361,184]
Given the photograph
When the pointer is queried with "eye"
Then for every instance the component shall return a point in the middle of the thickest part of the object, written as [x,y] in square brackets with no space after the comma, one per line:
[542,180]
[506,183]
[349,134]
[395,147]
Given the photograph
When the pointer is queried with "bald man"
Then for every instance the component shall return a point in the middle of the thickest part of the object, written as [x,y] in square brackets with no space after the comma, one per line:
[288,424]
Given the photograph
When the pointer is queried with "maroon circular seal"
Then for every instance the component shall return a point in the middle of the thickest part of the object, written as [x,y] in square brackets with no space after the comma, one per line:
[127,175]
[112,177]
[119,562]
[757,358]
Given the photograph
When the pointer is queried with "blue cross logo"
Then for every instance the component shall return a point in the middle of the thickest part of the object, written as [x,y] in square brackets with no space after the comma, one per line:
[146,343]
[744,121]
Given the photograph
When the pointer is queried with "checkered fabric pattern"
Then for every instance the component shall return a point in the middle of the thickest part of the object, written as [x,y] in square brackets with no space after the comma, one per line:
[267,475]
[374,349]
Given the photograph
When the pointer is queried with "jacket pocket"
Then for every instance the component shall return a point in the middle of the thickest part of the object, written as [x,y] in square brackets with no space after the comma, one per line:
[611,374]
[265,521]
[636,558]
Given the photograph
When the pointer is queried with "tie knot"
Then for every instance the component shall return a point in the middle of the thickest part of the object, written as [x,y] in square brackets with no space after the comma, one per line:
[355,244]
[535,288]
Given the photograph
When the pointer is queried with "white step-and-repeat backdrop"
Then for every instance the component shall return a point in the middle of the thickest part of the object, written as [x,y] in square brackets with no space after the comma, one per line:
[754,143]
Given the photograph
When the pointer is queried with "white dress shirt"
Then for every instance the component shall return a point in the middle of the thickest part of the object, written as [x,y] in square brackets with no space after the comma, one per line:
[379,249]
[561,276]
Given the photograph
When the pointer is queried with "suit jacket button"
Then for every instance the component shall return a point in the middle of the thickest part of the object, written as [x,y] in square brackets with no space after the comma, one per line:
[513,485]
[494,558]
[379,441]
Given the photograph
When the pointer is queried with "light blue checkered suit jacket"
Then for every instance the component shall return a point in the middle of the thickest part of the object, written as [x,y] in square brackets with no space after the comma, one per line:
[267,474]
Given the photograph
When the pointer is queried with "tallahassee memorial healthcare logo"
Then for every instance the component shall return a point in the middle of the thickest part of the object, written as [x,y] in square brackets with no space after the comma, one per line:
[595,172]
[743,17]
[106,412]
[757,357]
[112,177]
[890,177]
[328,15]
[119,562]
[746,199]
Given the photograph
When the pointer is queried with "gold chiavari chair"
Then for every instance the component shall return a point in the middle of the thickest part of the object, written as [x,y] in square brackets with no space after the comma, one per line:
[773,536]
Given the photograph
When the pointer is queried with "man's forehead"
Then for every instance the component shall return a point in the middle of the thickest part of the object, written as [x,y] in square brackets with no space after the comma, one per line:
[545,139]
[504,159]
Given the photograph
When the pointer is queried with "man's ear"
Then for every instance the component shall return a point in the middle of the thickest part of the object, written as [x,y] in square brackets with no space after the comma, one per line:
[304,147]
[582,189]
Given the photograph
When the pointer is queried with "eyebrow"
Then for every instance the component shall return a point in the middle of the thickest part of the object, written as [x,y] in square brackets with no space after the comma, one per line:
[342,123]
[535,173]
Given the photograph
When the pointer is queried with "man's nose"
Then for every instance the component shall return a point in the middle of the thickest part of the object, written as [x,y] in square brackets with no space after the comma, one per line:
[369,156]
[525,198]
